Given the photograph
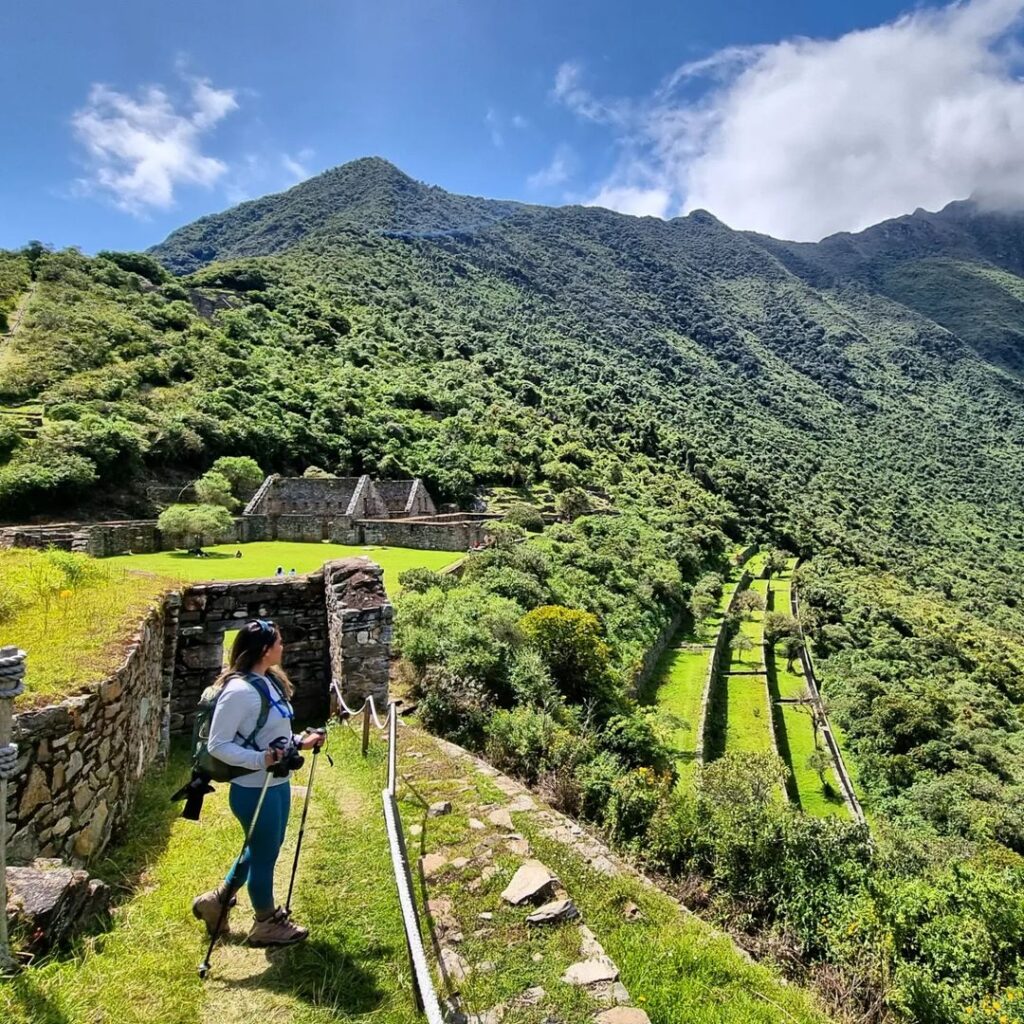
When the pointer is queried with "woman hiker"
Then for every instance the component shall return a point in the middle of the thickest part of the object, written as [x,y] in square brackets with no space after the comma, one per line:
[255,662]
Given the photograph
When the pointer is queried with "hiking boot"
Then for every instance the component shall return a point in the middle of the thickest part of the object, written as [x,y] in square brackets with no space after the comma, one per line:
[277,930]
[207,908]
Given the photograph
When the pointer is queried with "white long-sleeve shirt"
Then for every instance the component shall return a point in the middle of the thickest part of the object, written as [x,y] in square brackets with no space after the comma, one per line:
[234,719]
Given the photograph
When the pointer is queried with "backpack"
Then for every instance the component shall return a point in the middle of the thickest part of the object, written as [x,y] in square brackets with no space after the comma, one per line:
[203,762]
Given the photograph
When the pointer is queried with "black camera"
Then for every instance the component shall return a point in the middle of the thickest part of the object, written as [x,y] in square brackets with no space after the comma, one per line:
[290,761]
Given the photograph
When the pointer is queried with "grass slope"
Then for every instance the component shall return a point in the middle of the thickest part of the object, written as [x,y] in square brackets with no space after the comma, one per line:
[261,558]
[796,738]
[74,617]
[747,722]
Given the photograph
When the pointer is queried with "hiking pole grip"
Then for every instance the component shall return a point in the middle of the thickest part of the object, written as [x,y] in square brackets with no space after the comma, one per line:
[302,830]
[204,967]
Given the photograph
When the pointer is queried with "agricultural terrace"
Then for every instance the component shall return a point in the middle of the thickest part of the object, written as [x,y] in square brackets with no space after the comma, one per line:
[678,683]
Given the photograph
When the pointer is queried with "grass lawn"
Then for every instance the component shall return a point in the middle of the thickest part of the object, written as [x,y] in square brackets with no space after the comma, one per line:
[680,680]
[799,738]
[756,563]
[261,558]
[747,723]
[72,614]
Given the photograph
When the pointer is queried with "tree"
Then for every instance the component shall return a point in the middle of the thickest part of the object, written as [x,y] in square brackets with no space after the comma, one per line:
[702,605]
[244,474]
[777,561]
[505,535]
[573,503]
[316,473]
[569,640]
[526,516]
[748,602]
[820,762]
[741,644]
[214,488]
[792,647]
[779,625]
[195,525]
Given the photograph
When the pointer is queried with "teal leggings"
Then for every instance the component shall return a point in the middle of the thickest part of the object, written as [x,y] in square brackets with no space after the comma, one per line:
[256,865]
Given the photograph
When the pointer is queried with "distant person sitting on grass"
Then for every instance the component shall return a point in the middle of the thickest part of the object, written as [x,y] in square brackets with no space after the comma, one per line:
[238,553]
[291,572]
[280,571]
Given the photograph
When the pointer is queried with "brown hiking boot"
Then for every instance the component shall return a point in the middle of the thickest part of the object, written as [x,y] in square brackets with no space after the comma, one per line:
[207,908]
[277,930]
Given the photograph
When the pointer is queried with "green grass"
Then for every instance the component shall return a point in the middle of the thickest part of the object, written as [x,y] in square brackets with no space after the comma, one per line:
[756,563]
[143,971]
[675,967]
[747,714]
[261,558]
[74,617]
[797,738]
[679,679]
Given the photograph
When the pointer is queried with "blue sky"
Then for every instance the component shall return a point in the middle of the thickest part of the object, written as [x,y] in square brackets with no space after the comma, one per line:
[125,120]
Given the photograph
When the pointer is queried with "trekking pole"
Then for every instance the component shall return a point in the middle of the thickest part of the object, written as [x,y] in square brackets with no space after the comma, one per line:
[302,830]
[204,967]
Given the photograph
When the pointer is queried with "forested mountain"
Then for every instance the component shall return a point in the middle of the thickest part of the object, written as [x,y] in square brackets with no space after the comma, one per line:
[860,401]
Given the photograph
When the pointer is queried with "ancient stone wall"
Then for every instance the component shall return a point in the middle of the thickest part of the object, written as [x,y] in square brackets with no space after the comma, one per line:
[209,610]
[360,623]
[139,536]
[80,761]
[655,651]
[457,535]
[311,496]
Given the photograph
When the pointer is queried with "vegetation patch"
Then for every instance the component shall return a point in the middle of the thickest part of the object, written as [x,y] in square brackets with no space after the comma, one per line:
[74,614]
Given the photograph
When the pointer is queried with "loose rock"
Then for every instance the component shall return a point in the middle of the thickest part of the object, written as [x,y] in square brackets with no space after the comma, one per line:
[553,912]
[532,881]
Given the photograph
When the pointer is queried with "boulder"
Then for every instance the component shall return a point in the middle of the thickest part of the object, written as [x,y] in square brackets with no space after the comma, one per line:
[591,972]
[49,902]
[622,1015]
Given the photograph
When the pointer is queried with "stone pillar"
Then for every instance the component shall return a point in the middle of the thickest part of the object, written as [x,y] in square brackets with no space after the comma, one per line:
[12,675]
[359,618]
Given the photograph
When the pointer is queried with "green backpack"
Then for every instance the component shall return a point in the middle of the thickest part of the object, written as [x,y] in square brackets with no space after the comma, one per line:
[202,760]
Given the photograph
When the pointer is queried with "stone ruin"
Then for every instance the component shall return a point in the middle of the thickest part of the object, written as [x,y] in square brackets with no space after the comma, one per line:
[80,762]
[345,510]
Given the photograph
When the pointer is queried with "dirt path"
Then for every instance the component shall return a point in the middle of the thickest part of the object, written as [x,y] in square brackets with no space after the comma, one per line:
[247,984]
[18,313]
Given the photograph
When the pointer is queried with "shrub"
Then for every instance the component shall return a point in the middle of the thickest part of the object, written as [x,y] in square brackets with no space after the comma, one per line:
[419,580]
[570,643]
[242,473]
[597,779]
[525,516]
[634,740]
[455,708]
[518,742]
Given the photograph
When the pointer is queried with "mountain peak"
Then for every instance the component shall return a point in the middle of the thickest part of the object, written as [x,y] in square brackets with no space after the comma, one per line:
[369,194]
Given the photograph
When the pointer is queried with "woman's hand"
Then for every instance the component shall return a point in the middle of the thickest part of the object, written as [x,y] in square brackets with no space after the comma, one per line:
[309,740]
[272,755]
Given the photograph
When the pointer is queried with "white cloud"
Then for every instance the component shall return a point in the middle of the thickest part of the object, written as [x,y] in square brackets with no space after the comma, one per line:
[493,123]
[639,202]
[297,165]
[141,148]
[557,172]
[806,137]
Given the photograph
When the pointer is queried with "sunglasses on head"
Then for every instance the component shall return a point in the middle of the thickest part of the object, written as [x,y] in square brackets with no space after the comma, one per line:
[265,627]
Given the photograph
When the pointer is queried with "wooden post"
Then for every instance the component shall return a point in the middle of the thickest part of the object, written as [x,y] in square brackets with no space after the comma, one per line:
[366,725]
[12,674]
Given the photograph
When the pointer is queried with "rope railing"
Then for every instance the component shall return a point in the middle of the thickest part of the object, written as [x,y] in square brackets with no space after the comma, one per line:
[423,984]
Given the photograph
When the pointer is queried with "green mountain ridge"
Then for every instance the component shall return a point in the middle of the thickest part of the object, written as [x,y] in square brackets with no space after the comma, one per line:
[859,401]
